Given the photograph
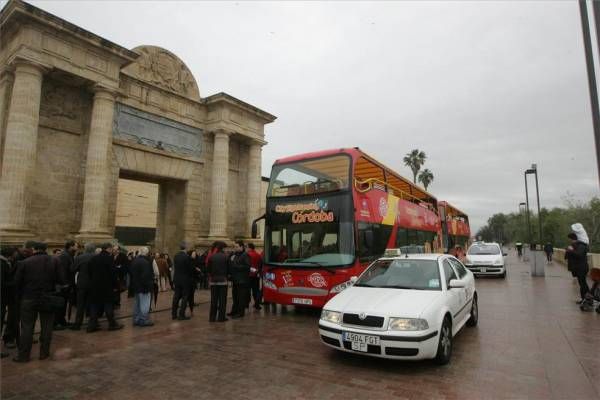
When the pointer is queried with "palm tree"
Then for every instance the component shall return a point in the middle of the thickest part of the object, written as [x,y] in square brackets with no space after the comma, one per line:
[415,160]
[426,177]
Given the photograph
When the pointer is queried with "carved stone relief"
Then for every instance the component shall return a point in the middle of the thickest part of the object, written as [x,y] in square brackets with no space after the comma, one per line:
[162,68]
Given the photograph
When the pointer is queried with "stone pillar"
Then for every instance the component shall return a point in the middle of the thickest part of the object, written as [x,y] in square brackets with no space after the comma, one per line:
[254,181]
[6,81]
[20,147]
[97,167]
[219,186]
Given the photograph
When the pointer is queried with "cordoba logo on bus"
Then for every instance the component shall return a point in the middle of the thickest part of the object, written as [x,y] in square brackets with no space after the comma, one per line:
[317,280]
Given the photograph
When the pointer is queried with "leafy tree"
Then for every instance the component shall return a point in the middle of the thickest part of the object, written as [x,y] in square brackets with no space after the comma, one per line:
[556,224]
[426,177]
[415,160]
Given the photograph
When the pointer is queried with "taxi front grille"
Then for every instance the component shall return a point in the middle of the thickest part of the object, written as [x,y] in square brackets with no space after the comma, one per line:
[370,320]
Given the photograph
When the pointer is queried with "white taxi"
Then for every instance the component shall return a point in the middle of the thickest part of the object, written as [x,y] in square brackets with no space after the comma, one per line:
[403,307]
[486,259]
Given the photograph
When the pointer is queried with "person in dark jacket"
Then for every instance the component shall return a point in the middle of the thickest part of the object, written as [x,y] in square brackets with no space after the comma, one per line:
[569,256]
[578,256]
[81,271]
[549,250]
[218,270]
[183,279]
[65,260]
[7,281]
[142,282]
[103,284]
[240,276]
[255,274]
[38,275]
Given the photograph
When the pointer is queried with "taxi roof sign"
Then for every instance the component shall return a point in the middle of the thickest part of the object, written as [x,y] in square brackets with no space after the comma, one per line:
[392,253]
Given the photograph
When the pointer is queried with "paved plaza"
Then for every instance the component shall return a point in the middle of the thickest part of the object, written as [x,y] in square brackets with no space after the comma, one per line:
[532,342]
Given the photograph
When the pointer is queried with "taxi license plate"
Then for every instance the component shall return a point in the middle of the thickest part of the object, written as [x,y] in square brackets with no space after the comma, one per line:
[360,342]
[297,300]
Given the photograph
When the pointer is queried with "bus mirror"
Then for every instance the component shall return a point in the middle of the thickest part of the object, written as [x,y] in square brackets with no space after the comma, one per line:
[369,239]
[255,226]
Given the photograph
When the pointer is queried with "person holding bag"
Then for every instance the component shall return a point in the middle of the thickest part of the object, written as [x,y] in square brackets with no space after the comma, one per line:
[37,279]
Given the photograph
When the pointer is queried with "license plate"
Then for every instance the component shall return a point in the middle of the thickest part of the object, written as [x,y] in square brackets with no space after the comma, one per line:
[297,300]
[360,342]
[483,269]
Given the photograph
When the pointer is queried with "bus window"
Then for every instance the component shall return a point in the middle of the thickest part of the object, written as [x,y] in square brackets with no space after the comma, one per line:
[373,240]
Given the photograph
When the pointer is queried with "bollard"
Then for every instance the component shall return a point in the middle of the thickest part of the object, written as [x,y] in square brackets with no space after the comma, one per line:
[526,253]
[538,263]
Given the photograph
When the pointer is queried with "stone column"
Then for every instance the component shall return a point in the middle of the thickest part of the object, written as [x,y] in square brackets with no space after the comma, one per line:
[97,167]
[20,145]
[219,186]
[254,181]
[6,81]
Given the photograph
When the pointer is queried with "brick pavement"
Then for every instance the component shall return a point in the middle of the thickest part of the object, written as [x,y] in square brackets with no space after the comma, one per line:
[532,342]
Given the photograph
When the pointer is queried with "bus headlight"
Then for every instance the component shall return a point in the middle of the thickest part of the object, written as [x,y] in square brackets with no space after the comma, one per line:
[269,285]
[408,324]
[340,287]
[331,316]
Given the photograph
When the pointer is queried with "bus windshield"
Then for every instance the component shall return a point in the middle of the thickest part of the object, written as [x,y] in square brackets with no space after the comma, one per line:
[310,245]
[311,176]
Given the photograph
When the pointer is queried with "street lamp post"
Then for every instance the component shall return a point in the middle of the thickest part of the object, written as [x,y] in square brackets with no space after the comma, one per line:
[533,170]
[527,211]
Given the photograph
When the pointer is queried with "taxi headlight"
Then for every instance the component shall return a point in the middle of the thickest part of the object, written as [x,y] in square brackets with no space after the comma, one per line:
[331,316]
[498,262]
[468,261]
[408,324]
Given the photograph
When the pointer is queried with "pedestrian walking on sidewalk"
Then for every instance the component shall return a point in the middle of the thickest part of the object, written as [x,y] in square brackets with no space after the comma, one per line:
[182,279]
[81,271]
[577,252]
[36,280]
[549,250]
[218,270]
[142,281]
[103,285]
[240,275]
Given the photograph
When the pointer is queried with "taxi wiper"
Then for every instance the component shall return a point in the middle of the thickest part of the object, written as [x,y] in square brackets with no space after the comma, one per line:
[403,287]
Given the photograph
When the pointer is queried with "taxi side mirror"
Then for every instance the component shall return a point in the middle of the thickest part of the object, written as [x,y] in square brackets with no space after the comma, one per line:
[456,284]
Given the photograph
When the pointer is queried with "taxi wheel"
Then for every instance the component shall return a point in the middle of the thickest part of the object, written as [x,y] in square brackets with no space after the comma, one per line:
[472,321]
[444,351]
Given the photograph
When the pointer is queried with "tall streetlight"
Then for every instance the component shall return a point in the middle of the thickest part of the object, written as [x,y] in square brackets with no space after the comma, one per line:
[533,170]
[522,207]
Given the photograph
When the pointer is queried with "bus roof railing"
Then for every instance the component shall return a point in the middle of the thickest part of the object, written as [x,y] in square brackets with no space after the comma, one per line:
[402,193]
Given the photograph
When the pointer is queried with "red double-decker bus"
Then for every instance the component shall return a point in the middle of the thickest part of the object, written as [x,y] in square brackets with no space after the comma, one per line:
[329,214]
[455,226]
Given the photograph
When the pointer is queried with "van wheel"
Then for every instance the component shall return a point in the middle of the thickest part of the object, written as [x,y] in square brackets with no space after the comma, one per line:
[472,321]
[444,351]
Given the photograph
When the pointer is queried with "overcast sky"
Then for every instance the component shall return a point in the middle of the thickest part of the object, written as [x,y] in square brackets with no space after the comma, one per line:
[484,88]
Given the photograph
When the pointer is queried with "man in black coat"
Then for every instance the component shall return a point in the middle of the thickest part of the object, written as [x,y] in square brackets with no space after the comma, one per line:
[7,281]
[142,283]
[240,275]
[103,284]
[65,260]
[37,276]
[576,255]
[81,270]
[218,270]
[183,280]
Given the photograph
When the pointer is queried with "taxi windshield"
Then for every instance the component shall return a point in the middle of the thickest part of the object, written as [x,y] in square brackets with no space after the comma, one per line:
[402,274]
[484,250]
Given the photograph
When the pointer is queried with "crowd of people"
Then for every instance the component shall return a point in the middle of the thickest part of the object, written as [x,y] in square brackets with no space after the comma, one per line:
[37,285]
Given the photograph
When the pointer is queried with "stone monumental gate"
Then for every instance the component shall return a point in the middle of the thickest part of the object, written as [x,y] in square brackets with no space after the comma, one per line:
[77,112]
